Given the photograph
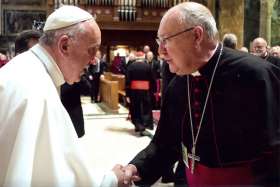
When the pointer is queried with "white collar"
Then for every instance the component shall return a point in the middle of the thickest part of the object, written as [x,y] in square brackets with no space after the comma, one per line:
[196,73]
[50,65]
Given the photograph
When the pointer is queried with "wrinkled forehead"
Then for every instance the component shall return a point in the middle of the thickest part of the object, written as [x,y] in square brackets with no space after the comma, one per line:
[93,33]
[170,22]
[259,43]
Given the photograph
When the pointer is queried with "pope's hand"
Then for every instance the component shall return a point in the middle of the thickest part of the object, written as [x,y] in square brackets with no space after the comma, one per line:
[119,172]
[130,174]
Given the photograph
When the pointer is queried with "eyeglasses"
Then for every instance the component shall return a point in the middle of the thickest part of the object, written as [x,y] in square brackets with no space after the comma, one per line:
[163,40]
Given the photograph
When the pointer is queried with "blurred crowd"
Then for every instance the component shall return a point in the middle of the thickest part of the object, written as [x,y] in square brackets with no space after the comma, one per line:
[119,63]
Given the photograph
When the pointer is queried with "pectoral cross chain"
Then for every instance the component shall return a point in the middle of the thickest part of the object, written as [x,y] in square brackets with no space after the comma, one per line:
[194,158]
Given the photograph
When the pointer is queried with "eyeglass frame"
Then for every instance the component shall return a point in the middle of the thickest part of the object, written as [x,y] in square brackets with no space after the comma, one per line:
[163,40]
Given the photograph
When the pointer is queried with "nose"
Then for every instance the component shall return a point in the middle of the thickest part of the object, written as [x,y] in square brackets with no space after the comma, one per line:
[162,50]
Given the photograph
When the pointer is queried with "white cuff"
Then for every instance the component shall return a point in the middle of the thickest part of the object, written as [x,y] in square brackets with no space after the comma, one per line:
[109,179]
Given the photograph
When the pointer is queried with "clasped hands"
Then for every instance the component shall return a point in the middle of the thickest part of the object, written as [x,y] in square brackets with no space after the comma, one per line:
[126,174]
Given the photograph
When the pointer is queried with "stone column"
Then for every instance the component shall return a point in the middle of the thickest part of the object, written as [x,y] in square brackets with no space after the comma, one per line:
[231,19]
[211,6]
[265,19]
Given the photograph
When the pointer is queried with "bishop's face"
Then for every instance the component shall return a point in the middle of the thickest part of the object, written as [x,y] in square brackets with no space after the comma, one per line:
[175,44]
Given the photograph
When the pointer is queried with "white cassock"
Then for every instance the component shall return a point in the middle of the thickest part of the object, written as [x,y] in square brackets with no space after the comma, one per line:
[38,144]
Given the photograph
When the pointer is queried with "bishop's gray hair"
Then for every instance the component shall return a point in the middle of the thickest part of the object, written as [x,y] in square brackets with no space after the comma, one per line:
[196,14]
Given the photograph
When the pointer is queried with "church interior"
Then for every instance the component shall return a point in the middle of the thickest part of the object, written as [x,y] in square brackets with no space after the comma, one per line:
[128,26]
[131,24]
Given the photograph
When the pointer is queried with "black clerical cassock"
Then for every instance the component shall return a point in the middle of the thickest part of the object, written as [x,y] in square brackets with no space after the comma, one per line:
[238,140]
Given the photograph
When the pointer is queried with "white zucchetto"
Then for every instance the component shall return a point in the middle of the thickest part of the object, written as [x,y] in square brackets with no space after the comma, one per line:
[65,16]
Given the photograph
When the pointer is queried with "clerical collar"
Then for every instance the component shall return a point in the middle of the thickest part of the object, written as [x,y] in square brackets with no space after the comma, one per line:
[196,74]
[207,69]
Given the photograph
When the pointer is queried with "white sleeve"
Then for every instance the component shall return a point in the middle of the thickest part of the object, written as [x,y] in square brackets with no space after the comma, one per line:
[109,179]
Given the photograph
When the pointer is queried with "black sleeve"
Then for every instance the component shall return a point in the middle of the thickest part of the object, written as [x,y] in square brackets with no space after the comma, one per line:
[272,105]
[273,123]
[164,149]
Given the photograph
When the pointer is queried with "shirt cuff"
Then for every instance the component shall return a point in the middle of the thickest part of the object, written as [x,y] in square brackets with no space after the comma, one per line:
[109,179]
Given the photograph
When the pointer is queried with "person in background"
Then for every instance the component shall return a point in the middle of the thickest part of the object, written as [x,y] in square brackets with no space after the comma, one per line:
[230,40]
[70,95]
[105,63]
[131,59]
[155,65]
[140,86]
[117,63]
[220,115]
[244,49]
[37,139]
[95,70]
[275,51]
[3,60]
[156,69]
[146,49]
[260,49]
[26,39]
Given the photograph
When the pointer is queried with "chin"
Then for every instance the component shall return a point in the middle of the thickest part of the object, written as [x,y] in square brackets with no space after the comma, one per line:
[184,72]
[70,82]
[173,69]
[181,73]
[77,80]
[73,81]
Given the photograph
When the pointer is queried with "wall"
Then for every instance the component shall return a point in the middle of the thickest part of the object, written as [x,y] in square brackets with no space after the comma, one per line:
[231,18]
[18,15]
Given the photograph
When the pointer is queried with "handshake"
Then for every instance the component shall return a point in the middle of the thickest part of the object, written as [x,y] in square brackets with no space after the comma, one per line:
[126,174]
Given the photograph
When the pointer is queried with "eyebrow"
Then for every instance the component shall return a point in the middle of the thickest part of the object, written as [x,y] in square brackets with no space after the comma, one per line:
[97,44]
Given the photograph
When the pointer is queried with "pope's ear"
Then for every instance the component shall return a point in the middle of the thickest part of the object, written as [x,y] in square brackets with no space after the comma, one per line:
[63,43]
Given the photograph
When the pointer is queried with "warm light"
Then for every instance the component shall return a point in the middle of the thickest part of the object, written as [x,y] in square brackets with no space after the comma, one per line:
[121,49]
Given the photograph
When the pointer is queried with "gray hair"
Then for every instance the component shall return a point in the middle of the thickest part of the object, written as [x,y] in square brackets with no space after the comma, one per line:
[196,14]
[50,37]
[230,40]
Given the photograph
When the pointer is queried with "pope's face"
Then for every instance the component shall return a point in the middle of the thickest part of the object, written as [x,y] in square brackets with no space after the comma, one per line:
[84,49]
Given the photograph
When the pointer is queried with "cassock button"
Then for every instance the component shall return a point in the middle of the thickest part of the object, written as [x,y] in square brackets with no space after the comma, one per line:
[197,78]
[196,115]
[196,103]
[196,90]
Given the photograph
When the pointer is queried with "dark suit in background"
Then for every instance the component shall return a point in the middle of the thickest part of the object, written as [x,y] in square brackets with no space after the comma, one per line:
[70,98]
[138,75]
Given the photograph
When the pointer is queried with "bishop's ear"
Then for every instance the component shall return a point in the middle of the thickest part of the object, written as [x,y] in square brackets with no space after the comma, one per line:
[198,35]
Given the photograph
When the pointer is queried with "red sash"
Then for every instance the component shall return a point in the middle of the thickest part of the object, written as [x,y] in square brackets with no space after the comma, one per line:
[204,176]
[140,85]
